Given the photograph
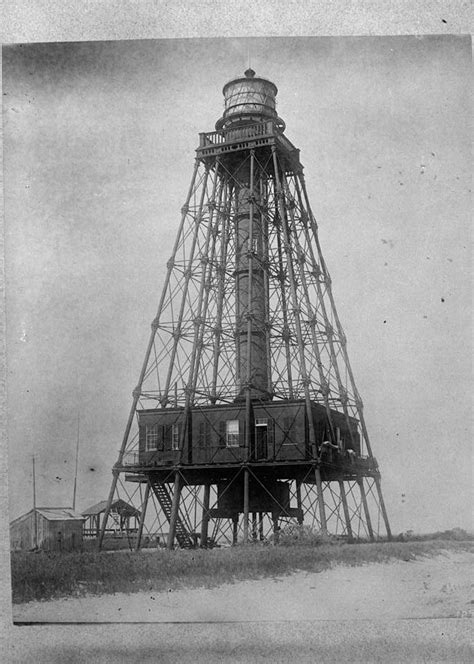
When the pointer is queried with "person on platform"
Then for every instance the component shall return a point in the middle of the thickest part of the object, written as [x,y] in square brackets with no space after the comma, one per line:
[326,449]
[351,454]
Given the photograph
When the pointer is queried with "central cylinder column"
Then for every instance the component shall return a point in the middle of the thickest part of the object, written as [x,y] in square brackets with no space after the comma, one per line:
[250,287]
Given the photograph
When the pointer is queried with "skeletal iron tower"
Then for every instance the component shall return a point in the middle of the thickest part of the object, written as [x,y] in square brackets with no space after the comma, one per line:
[246,415]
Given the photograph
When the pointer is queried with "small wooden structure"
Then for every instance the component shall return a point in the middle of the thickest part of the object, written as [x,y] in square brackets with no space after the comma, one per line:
[48,529]
[122,519]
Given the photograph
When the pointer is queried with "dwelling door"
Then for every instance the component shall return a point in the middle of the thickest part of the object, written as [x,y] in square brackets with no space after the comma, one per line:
[261,438]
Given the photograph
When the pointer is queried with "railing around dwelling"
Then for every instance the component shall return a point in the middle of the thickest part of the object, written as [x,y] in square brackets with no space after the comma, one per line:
[261,133]
[130,459]
[245,132]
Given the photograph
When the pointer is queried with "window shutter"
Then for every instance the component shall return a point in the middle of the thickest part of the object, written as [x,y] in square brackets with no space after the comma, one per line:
[241,434]
[161,437]
[270,434]
[221,434]
[175,436]
[167,436]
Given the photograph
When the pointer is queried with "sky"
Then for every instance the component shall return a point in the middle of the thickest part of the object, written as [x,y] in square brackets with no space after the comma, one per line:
[99,141]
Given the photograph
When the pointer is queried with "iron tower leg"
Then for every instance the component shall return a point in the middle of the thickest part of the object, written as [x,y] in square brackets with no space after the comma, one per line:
[142,516]
[260,527]
[382,507]
[296,311]
[276,529]
[137,390]
[205,515]
[322,511]
[360,482]
[345,506]
[254,526]
[235,528]
[115,476]
[246,506]
[299,503]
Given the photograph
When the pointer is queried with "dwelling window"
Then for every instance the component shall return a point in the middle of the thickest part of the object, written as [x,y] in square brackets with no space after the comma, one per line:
[175,437]
[204,434]
[232,433]
[151,437]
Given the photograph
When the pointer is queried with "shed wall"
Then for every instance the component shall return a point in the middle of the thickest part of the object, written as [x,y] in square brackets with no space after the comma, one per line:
[22,533]
[53,535]
[59,535]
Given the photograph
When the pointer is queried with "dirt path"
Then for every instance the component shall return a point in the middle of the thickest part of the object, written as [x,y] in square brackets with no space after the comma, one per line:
[439,587]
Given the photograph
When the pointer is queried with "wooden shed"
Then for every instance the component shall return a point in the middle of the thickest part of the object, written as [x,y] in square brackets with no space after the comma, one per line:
[123,518]
[48,529]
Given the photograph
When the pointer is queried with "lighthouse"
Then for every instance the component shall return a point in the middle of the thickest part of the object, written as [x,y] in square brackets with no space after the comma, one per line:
[246,417]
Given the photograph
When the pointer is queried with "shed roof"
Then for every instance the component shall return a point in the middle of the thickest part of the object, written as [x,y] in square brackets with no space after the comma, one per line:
[53,514]
[120,506]
[59,514]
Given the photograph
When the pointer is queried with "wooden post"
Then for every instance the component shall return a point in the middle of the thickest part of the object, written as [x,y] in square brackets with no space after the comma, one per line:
[174,510]
[246,506]
[205,515]
[35,516]
[360,482]
[75,466]
[346,510]
[142,516]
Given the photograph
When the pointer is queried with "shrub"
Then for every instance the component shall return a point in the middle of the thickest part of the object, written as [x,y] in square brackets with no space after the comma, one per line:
[293,535]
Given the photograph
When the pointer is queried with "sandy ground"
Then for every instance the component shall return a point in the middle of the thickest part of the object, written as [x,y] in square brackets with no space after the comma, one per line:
[417,611]
[429,588]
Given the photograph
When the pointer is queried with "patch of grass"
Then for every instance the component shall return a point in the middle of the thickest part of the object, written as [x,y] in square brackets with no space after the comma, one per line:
[456,534]
[298,535]
[41,576]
